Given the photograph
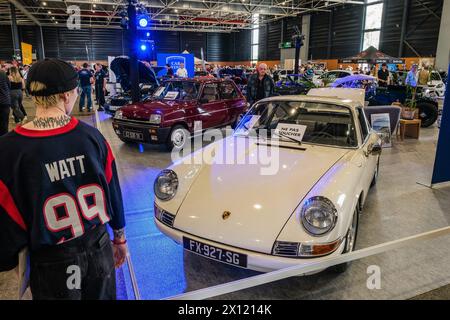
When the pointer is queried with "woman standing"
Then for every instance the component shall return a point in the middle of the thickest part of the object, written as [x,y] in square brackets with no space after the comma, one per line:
[17,85]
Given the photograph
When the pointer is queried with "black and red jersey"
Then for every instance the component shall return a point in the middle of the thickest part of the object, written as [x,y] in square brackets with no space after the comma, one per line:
[54,186]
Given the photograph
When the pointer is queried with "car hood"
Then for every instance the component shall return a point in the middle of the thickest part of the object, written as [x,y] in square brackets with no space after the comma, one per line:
[260,205]
[121,68]
[143,110]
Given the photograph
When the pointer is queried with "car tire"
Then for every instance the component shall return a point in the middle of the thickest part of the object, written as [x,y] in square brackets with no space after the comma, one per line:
[350,242]
[178,137]
[375,175]
[428,113]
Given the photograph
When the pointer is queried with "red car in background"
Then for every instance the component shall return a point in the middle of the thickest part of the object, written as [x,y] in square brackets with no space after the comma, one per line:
[178,108]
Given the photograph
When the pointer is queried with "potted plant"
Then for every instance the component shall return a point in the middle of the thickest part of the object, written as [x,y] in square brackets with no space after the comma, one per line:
[410,106]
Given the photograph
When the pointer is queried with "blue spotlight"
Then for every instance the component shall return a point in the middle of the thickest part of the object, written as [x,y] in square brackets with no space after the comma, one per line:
[143,22]
[147,34]
[143,47]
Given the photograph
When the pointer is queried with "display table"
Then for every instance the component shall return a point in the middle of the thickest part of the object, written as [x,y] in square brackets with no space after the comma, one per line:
[409,128]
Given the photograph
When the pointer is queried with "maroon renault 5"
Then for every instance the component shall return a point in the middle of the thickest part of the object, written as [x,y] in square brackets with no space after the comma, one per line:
[178,108]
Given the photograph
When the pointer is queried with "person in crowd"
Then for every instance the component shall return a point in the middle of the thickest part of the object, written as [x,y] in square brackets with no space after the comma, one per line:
[424,76]
[309,72]
[411,77]
[17,85]
[169,71]
[5,102]
[181,71]
[61,198]
[100,86]
[383,76]
[276,76]
[24,75]
[260,85]
[86,80]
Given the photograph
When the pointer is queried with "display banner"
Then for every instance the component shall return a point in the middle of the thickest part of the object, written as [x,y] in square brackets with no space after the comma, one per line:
[27,54]
[174,60]
[441,171]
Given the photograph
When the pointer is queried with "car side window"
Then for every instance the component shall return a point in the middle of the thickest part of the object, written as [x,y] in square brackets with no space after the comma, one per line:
[363,123]
[227,91]
[332,76]
[210,92]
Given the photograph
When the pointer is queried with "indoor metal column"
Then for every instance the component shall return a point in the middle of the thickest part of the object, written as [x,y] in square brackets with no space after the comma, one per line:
[403,30]
[132,35]
[15,32]
[40,46]
[306,27]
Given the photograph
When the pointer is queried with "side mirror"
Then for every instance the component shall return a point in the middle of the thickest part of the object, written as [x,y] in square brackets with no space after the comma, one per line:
[374,149]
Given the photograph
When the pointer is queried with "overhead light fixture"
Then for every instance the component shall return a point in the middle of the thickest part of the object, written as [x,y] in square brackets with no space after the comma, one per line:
[53,18]
[49,12]
[44,3]
[94,5]
[176,10]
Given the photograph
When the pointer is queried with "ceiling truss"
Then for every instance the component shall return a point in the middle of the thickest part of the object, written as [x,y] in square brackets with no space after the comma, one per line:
[173,15]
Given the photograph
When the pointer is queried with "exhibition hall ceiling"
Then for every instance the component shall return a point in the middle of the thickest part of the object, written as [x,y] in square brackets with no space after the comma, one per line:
[176,15]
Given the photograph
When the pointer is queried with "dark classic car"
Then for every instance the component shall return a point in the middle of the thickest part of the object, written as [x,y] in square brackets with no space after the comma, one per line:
[178,108]
[293,84]
[381,96]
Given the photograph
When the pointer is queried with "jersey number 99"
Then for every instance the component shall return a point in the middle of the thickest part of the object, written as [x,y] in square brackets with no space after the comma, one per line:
[72,208]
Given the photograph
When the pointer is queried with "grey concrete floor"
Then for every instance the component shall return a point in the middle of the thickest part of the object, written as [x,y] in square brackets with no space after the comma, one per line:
[397,207]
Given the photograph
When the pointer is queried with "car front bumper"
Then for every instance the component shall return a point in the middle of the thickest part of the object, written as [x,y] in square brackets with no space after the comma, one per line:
[140,131]
[261,262]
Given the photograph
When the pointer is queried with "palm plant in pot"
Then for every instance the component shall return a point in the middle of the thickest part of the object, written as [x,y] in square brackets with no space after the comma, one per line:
[410,106]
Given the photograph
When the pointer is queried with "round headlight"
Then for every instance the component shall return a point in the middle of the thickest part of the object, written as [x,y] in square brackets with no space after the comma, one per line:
[318,216]
[166,185]
[118,115]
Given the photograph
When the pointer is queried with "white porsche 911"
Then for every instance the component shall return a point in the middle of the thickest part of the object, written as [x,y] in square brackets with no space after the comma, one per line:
[307,209]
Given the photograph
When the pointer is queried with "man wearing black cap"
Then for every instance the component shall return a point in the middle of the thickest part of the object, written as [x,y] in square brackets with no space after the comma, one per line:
[100,85]
[383,76]
[58,190]
[86,80]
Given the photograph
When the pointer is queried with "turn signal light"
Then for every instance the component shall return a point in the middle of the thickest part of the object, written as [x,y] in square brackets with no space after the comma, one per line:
[316,250]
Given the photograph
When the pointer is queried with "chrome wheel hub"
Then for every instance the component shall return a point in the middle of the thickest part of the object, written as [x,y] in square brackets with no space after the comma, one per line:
[178,137]
[351,236]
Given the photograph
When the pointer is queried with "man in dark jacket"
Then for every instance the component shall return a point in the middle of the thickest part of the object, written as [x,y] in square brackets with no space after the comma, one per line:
[260,85]
[5,102]
[86,79]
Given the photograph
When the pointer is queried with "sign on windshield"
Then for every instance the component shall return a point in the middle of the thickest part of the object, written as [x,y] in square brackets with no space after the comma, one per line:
[289,130]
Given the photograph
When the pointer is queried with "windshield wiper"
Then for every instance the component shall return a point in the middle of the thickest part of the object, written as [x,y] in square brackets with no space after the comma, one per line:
[290,138]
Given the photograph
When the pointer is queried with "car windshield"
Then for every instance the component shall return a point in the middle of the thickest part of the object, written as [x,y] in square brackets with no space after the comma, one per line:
[435,76]
[177,90]
[320,123]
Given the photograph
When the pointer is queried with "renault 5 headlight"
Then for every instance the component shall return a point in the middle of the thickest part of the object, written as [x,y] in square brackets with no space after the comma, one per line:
[318,216]
[155,118]
[118,115]
[166,185]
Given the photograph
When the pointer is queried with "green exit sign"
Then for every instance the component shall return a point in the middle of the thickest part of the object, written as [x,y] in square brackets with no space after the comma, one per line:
[285,45]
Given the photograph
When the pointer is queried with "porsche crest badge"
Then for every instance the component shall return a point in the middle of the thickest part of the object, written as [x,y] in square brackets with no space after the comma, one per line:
[226,215]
